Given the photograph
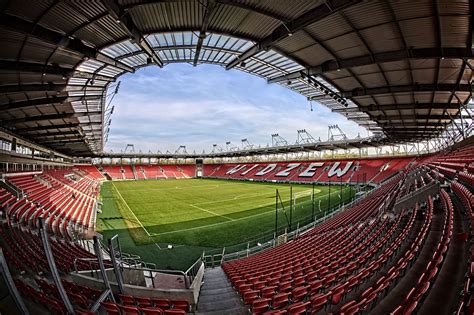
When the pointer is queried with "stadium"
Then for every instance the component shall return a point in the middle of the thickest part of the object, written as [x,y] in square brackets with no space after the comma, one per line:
[327,224]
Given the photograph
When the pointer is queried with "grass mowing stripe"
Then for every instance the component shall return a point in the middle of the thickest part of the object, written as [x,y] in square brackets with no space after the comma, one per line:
[208,211]
[239,219]
[151,214]
[133,213]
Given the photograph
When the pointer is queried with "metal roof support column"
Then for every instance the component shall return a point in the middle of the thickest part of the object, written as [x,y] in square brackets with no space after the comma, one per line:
[108,290]
[211,4]
[7,277]
[117,270]
[53,268]
[128,25]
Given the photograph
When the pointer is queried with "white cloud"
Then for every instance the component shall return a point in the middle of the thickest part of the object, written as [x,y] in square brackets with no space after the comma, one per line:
[196,107]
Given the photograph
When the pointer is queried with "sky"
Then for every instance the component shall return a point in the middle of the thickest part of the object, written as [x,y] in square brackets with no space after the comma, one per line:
[163,108]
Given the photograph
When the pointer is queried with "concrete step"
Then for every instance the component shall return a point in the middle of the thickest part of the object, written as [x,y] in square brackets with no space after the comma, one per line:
[233,311]
[217,295]
[219,305]
[209,291]
[215,285]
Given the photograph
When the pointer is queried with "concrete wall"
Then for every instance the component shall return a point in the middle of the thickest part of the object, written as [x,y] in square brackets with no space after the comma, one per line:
[191,295]
[418,196]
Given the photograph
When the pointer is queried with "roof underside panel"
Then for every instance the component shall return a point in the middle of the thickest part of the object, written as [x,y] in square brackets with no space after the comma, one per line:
[391,66]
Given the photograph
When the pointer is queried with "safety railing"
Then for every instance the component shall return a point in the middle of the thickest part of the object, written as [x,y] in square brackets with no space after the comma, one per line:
[93,263]
[214,260]
[193,271]
[13,189]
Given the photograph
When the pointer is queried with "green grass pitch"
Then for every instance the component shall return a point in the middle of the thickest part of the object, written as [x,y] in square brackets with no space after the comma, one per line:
[202,214]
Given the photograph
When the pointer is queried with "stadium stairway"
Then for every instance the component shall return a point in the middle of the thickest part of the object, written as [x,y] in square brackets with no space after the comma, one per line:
[401,289]
[217,295]
[440,300]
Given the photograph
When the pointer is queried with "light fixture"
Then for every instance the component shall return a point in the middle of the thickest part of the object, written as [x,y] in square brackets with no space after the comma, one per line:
[118,21]
[290,33]
[243,64]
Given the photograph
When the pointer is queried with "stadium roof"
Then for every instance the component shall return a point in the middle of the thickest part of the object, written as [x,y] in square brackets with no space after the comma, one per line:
[399,67]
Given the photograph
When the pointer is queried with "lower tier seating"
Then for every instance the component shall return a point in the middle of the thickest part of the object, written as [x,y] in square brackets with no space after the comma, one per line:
[350,263]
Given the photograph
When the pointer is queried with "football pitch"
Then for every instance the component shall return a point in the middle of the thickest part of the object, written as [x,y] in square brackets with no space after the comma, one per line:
[194,215]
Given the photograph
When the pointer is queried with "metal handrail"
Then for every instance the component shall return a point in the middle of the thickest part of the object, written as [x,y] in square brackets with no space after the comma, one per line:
[188,276]
[18,192]
[151,271]
[90,262]
[193,270]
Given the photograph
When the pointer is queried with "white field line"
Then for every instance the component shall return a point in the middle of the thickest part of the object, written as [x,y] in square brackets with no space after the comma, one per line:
[215,214]
[175,188]
[220,223]
[235,198]
[149,235]
[140,222]
[214,224]
[307,193]
[249,196]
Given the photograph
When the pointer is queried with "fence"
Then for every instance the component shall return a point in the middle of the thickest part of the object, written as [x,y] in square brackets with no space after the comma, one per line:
[213,260]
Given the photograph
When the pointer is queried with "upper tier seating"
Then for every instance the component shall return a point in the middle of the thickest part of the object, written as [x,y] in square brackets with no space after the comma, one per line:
[115,172]
[345,171]
[90,170]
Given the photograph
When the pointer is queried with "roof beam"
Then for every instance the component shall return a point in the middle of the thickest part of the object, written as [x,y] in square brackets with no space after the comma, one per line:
[128,25]
[414,129]
[52,134]
[46,101]
[35,118]
[71,44]
[48,127]
[391,56]
[233,3]
[47,117]
[19,88]
[211,4]
[397,107]
[93,126]
[407,117]
[310,17]
[407,89]
[410,124]
[254,8]
[75,136]
[58,141]
[60,88]
[21,66]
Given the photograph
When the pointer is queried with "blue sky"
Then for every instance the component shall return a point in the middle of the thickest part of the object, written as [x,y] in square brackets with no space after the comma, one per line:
[163,108]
